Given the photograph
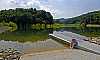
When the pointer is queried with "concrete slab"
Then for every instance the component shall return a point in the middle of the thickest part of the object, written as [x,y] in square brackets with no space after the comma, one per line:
[68,36]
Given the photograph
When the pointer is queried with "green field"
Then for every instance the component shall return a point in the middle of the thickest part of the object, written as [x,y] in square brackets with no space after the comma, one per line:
[72,25]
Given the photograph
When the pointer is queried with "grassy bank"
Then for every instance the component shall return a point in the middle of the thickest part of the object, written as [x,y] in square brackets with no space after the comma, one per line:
[55,26]
[42,26]
[78,25]
[91,34]
[93,25]
[72,25]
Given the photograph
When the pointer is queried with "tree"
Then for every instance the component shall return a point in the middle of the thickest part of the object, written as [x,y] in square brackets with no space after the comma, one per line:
[24,18]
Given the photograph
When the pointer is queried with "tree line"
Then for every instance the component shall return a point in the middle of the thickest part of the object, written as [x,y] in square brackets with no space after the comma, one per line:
[24,18]
[88,18]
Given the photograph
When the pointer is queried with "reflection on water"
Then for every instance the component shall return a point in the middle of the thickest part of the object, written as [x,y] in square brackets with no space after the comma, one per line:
[34,35]
[89,31]
[21,46]
[47,43]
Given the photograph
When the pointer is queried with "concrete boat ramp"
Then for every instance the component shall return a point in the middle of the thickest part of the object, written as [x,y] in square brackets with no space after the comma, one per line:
[67,36]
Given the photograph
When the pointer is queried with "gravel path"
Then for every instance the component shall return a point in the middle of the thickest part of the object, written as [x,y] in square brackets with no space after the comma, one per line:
[64,54]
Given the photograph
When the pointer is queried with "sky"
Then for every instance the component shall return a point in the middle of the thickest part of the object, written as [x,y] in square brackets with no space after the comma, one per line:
[58,8]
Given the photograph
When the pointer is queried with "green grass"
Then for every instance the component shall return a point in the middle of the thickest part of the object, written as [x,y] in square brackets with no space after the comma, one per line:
[78,25]
[93,25]
[72,25]
[92,34]
[42,26]
[57,26]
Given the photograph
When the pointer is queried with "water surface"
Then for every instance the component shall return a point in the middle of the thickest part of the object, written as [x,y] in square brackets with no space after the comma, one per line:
[46,43]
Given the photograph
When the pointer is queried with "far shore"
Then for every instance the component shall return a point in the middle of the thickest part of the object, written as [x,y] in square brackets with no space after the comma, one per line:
[93,25]
[78,25]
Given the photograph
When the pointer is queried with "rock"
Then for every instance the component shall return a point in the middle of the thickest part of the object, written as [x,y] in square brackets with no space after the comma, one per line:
[10,54]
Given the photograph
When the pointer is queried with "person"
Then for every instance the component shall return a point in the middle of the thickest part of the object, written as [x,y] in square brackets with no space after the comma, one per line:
[74,43]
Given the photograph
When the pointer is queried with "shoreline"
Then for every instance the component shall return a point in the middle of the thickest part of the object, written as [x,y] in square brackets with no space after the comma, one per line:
[95,40]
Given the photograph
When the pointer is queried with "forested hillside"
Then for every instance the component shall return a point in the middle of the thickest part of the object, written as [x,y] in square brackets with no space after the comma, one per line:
[88,18]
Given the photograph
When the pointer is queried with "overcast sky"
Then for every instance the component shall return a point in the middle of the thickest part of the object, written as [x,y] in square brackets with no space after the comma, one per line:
[58,8]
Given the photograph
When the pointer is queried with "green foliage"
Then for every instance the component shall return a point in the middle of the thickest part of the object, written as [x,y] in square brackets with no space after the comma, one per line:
[11,26]
[53,26]
[88,18]
[1,24]
[25,18]
[72,25]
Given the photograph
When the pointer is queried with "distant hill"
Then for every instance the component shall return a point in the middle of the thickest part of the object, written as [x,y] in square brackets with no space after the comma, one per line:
[60,20]
[88,18]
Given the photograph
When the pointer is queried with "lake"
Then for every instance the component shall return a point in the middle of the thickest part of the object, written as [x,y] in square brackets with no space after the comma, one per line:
[41,37]
[88,31]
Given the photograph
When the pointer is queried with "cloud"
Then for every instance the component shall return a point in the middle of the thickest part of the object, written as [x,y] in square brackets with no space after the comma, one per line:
[4,4]
[39,4]
[24,3]
[58,8]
